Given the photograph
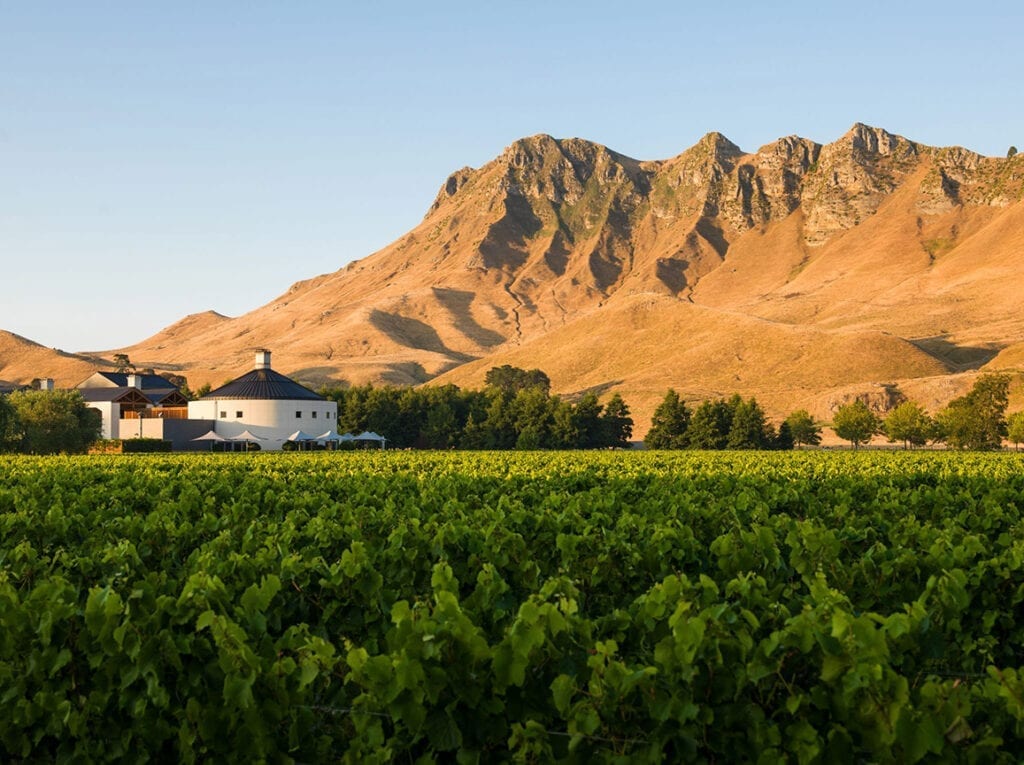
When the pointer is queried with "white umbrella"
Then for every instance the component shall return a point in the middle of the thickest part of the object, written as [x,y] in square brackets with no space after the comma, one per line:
[211,436]
[298,435]
[245,435]
[330,435]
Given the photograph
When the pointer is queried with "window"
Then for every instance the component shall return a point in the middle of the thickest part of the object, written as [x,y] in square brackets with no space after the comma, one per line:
[314,415]
[238,415]
[298,415]
[223,415]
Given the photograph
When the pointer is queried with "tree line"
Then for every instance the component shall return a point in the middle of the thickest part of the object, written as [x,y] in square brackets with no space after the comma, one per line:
[976,420]
[732,423]
[515,410]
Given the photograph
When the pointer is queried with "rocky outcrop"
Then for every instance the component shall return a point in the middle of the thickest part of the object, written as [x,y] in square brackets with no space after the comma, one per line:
[451,187]
[851,179]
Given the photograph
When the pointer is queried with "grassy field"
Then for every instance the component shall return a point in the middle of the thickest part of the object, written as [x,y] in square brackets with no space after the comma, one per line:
[577,607]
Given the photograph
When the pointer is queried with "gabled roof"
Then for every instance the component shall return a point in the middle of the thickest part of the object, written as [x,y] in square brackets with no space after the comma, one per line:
[118,395]
[120,380]
[166,398]
[263,385]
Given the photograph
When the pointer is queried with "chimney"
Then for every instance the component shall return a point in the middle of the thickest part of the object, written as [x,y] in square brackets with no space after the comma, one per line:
[263,359]
[135,381]
[46,384]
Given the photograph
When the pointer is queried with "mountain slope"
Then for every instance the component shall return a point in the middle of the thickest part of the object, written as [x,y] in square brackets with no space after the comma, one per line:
[800,273]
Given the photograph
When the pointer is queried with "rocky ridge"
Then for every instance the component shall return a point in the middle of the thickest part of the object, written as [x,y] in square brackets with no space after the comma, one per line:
[873,241]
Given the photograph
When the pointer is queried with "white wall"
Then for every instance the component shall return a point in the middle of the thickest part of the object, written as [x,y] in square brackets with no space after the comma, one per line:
[273,420]
[111,414]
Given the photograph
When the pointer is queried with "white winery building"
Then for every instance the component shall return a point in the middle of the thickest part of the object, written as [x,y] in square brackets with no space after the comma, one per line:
[267,404]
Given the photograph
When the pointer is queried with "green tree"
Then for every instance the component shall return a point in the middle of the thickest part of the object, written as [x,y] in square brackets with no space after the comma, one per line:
[748,429]
[586,418]
[910,424]
[855,423]
[803,428]
[977,420]
[51,422]
[510,380]
[1015,429]
[710,424]
[616,424]
[565,431]
[122,363]
[533,418]
[181,383]
[1011,152]
[783,440]
[8,425]
[669,424]
[475,435]
[441,429]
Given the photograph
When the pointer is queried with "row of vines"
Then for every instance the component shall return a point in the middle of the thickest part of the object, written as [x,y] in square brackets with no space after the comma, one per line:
[807,607]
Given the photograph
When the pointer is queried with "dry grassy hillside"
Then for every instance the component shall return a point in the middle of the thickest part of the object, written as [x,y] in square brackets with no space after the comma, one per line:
[801,273]
[22,361]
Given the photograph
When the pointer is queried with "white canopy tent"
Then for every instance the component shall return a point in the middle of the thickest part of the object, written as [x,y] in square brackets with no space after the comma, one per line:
[369,435]
[301,441]
[330,435]
[211,435]
[215,439]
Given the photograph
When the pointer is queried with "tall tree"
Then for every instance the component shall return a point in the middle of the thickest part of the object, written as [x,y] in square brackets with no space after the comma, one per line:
[669,424]
[440,431]
[910,424]
[783,440]
[710,424]
[977,420]
[122,363]
[749,428]
[1015,429]
[586,418]
[855,423]
[565,427]
[803,428]
[616,423]
[533,419]
[51,422]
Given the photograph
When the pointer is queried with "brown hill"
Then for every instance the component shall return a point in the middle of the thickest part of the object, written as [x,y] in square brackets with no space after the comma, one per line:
[22,361]
[801,273]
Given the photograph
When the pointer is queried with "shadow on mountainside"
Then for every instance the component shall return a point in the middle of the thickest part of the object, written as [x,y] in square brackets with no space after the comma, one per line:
[958,358]
[413,333]
[457,303]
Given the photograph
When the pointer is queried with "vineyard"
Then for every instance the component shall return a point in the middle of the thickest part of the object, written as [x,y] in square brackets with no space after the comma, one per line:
[528,607]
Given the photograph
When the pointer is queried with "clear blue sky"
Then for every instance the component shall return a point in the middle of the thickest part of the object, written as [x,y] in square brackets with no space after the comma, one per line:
[159,159]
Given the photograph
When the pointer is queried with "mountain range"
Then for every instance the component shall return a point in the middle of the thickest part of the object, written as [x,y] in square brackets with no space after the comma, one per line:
[803,274]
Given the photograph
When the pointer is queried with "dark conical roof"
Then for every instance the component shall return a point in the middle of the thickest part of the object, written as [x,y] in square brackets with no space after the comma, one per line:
[263,385]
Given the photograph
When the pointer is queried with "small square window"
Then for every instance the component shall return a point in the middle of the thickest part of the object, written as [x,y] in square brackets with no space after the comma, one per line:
[223,415]
[298,415]
[314,415]
[238,415]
